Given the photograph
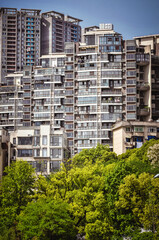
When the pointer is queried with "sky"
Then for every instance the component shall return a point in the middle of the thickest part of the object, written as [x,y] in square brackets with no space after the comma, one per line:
[130,18]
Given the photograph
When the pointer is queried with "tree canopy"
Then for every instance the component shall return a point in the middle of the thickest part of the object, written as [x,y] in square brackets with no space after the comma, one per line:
[95,195]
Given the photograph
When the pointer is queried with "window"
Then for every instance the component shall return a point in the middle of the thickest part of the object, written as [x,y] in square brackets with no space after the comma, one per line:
[90,40]
[60,62]
[131,116]
[56,141]
[131,82]
[44,140]
[36,152]
[24,140]
[131,107]
[131,73]
[110,39]
[131,99]
[131,48]
[138,129]
[69,134]
[131,90]
[70,143]
[54,165]
[102,40]
[14,140]
[128,129]
[152,129]
[117,109]
[55,153]
[41,166]
[36,141]
[138,139]
[130,56]
[127,139]
[131,64]
[44,152]
[25,153]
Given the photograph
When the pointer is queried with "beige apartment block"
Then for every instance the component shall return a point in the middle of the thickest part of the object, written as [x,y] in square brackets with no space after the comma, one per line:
[42,147]
[133,134]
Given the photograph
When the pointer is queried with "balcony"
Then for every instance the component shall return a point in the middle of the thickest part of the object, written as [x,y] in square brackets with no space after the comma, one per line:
[86,136]
[61,109]
[6,102]
[86,128]
[78,77]
[87,68]
[112,66]
[143,86]
[144,111]
[109,93]
[142,59]
[86,119]
[7,89]
[86,103]
[88,51]
[85,145]
[83,93]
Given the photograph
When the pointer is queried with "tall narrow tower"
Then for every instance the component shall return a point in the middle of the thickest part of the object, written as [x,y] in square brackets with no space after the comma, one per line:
[19,39]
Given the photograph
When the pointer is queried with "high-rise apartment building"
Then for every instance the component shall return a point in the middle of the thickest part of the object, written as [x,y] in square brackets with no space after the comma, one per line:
[79,90]
[140,94]
[98,93]
[141,81]
[20,39]
[26,34]
[56,29]
[86,88]
[35,96]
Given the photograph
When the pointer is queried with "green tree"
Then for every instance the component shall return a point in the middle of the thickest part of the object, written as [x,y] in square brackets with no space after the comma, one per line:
[153,154]
[150,219]
[16,191]
[46,219]
[82,187]
[143,236]
[138,203]
[100,154]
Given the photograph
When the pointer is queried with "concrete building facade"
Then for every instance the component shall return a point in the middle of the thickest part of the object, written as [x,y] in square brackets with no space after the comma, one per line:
[42,147]
[141,85]
[86,88]
[98,93]
[133,134]
[56,29]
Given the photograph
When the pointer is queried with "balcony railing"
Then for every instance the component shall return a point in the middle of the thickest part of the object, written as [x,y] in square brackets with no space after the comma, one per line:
[87,119]
[115,92]
[86,76]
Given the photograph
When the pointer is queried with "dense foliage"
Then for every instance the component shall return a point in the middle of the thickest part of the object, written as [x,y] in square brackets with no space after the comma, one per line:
[95,195]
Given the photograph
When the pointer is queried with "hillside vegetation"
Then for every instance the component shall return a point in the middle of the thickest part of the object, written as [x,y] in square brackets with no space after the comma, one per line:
[96,195]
